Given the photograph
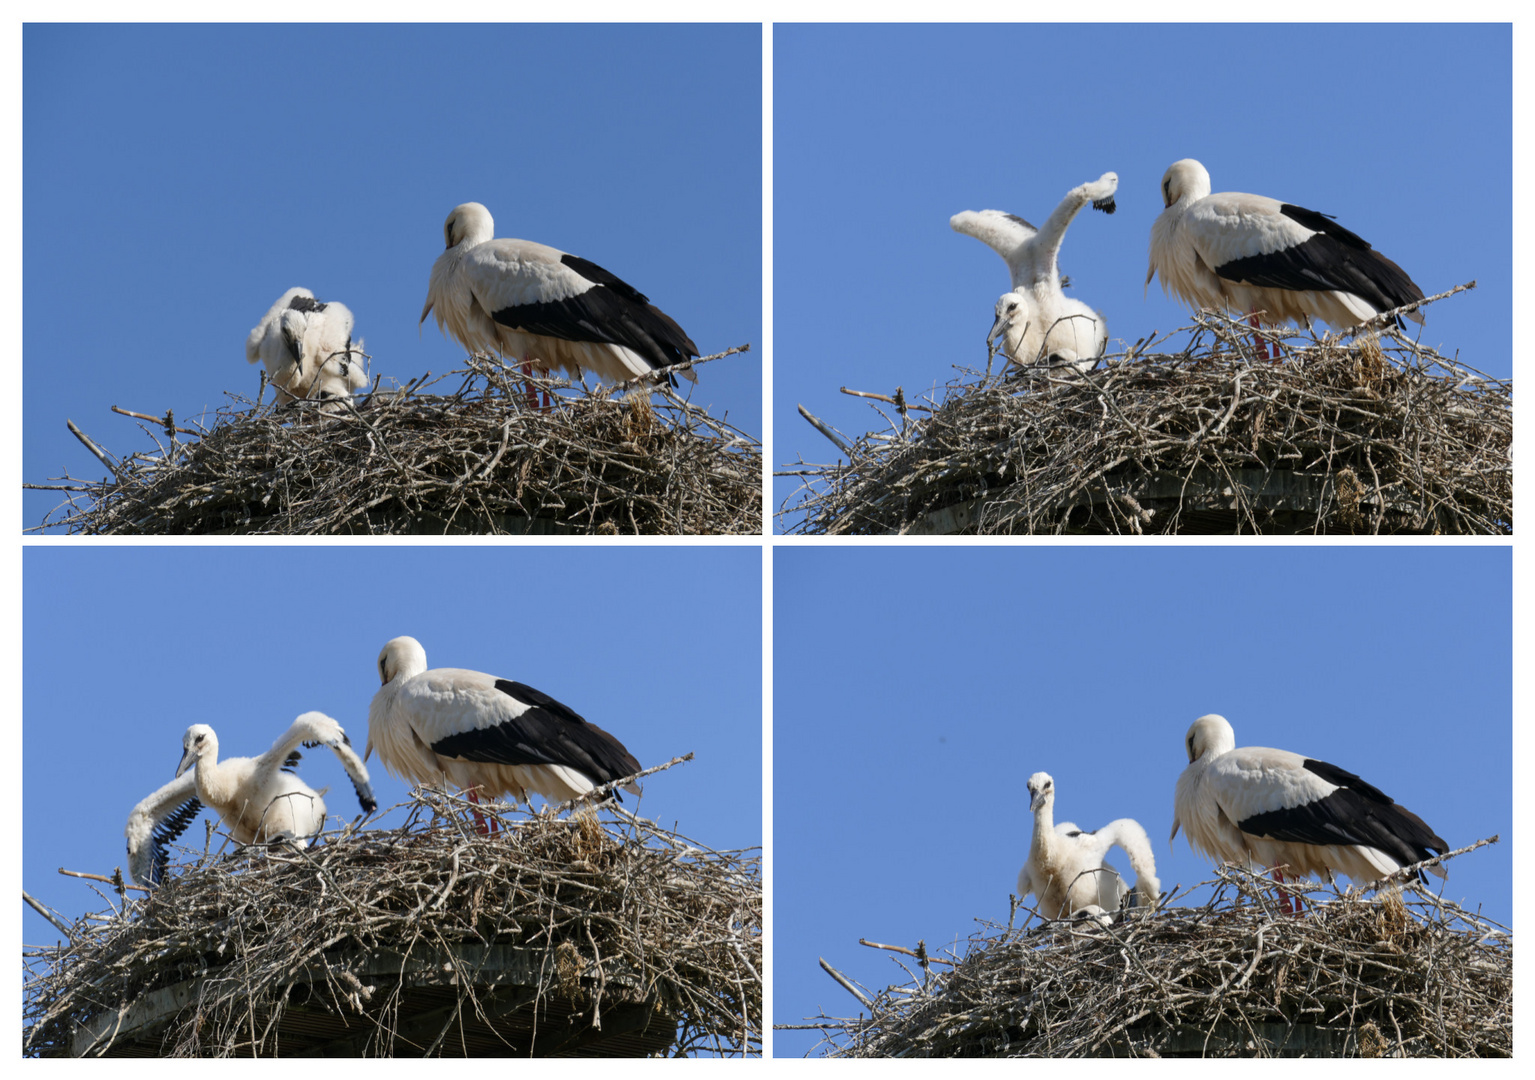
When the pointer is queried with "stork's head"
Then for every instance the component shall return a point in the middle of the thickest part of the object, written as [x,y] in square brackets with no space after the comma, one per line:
[1012,315]
[400,659]
[469,223]
[1041,791]
[198,744]
[1210,735]
[1186,179]
[293,324]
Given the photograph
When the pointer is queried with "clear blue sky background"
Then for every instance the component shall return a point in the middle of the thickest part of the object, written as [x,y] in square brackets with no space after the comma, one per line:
[177,179]
[882,132]
[917,689]
[127,647]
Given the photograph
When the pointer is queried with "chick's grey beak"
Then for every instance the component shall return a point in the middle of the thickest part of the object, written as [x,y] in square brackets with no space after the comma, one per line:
[185,763]
[998,328]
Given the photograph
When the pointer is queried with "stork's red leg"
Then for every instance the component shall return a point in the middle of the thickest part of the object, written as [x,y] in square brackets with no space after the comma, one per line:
[1288,901]
[529,394]
[479,819]
[1258,342]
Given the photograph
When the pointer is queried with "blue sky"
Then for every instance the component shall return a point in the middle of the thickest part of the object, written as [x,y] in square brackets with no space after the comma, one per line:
[177,179]
[882,132]
[917,689]
[127,647]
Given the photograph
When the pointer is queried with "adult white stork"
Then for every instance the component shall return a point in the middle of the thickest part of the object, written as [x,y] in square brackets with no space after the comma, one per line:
[1278,808]
[307,348]
[1254,254]
[1076,331]
[1067,869]
[1048,326]
[258,799]
[488,736]
[547,308]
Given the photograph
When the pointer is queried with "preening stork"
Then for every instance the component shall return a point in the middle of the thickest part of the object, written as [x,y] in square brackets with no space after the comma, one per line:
[1067,870]
[546,308]
[258,799]
[307,348]
[488,736]
[1045,326]
[1254,254]
[1277,809]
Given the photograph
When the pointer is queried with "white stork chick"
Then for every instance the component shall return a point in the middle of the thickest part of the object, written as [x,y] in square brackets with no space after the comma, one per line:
[546,308]
[1032,257]
[1029,338]
[488,736]
[1277,808]
[1254,254]
[339,378]
[307,348]
[258,799]
[1067,869]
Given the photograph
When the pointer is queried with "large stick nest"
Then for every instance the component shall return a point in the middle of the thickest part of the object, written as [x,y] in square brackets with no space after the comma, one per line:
[1353,977]
[548,936]
[476,460]
[1379,436]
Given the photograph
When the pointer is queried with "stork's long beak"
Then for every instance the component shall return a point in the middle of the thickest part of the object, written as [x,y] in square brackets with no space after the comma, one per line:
[368,750]
[186,762]
[1036,802]
[998,328]
[1174,834]
[425,311]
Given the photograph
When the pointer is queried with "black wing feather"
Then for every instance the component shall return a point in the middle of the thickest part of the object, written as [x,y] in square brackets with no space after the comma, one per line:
[547,733]
[1333,259]
[1356,813]
[611,312]
[166,833]
[306,304]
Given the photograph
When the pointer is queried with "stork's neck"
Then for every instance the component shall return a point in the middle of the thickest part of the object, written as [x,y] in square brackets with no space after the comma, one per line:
[215,783]
[1042,846]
